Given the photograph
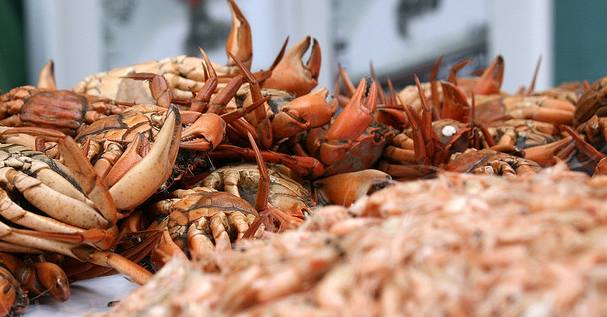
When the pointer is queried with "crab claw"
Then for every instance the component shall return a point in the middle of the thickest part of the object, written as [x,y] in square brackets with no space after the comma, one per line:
[54,279]
[13,298]
[154,169]
[159,87]
[601,167]
[491,80]
[239,42]
[204,134]
[592,102]
[294,76]
[455,105]
[350,124]
[46,78]
[343,189]
[302,113]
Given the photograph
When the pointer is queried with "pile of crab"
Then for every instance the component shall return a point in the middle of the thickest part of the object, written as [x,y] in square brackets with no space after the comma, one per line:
[184,157]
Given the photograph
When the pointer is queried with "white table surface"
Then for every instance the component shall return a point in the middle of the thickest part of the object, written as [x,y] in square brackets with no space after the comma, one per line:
[88,296]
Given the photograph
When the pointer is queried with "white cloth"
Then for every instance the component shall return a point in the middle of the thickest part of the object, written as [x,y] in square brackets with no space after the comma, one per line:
[88,296]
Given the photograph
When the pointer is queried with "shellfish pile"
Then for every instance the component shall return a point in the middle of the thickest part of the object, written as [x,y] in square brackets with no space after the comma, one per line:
[261,193]
[458,245]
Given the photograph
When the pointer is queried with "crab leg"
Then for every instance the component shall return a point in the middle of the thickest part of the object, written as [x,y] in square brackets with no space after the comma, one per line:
[203,96]
[14,213]
[349,86]
[58,206]
[262,122]
[301,165]
[552,111]
[166,249]
[30,239]
[455,69]
[221,99]
[82,271]
[199,243]
[434,94]
[584,146]
[81,170]
[536,72]
[544,155]
[261,199]
[15,248]
[119,263]
[428,134]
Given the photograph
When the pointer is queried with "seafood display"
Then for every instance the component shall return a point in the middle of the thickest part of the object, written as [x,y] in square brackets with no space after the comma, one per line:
[228,191]
[458,245]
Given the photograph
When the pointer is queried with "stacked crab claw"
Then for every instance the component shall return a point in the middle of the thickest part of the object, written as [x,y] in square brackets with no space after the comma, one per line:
[183,157]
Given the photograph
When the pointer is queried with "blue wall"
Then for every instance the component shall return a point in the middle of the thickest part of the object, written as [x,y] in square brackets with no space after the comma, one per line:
[12,54]
[580,40]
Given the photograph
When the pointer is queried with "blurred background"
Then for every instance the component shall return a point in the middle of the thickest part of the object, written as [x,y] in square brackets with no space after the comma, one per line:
[400,37]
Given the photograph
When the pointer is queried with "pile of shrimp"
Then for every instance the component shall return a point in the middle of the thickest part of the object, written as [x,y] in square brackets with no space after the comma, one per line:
[458,245]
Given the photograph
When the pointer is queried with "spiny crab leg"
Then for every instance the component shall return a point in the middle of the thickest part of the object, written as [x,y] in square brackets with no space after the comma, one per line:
[262,122]
[302,165]
[455,70]
[426,123]
[348,85]
[221,99]
[434,85]
[201,100]
[584,146]
[536,72]
[261,199]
